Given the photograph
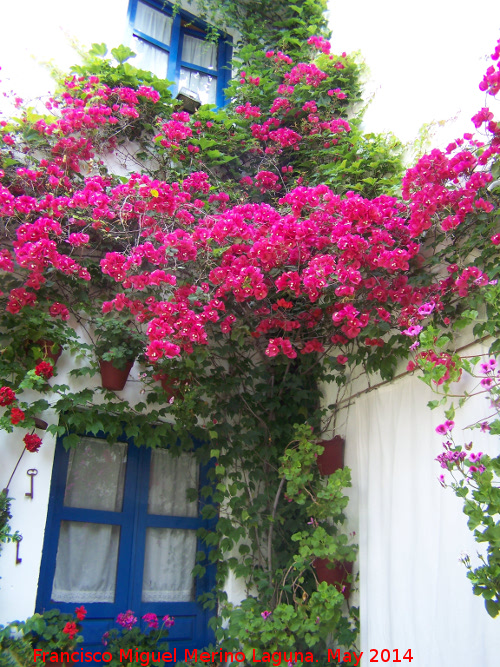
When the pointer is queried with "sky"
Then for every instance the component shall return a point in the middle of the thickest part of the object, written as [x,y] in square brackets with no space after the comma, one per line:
[426,59]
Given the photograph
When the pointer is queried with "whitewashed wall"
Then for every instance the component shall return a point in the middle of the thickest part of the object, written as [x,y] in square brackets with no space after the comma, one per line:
[413,591]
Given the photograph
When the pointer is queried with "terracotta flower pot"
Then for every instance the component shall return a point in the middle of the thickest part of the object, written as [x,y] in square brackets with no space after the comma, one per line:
[47,350]
[114,378]
[332,458]
[171,385]
[335,573]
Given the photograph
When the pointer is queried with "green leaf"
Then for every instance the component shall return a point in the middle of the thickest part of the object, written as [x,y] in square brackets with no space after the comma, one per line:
[493,608]
[122,53]
[99,50]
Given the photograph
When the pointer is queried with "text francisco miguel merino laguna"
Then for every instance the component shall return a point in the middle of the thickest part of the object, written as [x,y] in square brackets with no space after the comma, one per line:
[144,658]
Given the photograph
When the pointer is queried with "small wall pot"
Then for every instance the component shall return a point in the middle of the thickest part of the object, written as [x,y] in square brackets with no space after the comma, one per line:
[114,378]
[172,386]
[47,350]
[332,458]
[335,573]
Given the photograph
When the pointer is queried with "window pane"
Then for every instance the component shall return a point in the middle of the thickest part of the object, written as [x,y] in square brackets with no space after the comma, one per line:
[199,52]
[150,58]
[169,479]
[203,84]
[153,23]
[96,474]
[168,563]
[87,556]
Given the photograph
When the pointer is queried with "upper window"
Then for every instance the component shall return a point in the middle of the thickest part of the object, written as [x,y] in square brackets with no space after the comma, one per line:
[174,47]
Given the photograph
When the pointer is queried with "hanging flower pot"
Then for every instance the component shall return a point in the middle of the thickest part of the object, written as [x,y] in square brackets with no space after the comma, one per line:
[335,573]
[332,458]
[50,350]
[114,378]
[173,386]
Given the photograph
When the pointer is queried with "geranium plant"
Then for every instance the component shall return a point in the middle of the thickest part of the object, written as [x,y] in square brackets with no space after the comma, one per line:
[123,643]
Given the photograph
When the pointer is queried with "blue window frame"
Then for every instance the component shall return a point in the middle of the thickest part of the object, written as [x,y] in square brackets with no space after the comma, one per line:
[121,534]
[173,46]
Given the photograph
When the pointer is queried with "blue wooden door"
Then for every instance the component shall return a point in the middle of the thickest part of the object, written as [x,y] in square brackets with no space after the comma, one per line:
[121,534]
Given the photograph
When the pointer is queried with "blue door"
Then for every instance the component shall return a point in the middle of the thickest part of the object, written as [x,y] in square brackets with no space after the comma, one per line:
[121,534]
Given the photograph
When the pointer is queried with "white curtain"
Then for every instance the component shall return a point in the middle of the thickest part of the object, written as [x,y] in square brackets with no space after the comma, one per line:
[170,558]
[96,474]
[199,52]
[170,553]
[153,23]
[158,26]
[87,557]
[203,84]
[150,58]
[87,553]
[170,478]
[414,593]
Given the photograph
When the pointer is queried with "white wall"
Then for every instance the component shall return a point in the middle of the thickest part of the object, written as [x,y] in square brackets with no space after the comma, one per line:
[413,590]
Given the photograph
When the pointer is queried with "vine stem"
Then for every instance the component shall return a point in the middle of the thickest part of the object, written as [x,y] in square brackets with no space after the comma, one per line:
[270,534]
[15,468]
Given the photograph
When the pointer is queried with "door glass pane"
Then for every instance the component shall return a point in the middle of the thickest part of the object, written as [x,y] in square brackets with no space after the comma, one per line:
[150,58]
[153,23]
[168,563]
[96,474]
[87,556]
[203,84]
[169,479]
[199,52]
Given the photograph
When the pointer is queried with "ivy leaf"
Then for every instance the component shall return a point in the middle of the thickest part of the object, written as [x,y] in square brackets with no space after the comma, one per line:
[493,608]
[122,53]
[98,50]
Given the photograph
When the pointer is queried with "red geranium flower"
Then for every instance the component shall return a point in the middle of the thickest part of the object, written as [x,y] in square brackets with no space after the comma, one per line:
[16,416]
[70,629]
[44,369]
[32,442]
[7,396]
[80,612]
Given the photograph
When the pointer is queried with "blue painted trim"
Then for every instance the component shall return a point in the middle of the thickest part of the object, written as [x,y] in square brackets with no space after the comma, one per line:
[174,68]
[151,40]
